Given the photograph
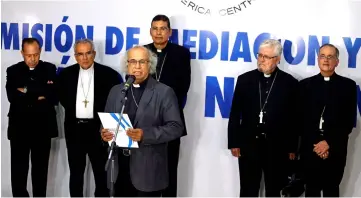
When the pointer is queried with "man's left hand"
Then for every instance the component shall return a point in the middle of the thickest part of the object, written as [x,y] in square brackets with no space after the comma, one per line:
[135,134]
[321,147]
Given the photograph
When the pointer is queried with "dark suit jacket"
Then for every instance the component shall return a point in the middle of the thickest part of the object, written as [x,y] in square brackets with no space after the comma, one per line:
[281,112]
[176,72]
[339,114]
[158,116]
[104,79]
[28,116]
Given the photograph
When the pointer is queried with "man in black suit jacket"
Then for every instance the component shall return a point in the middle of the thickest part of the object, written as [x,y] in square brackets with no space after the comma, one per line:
[83,91]
[261,130]
[32,118]
[174,70]
[328,112]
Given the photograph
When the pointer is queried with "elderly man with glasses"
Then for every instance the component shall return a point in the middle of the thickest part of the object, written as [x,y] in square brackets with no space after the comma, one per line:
[153,110]
[261,130]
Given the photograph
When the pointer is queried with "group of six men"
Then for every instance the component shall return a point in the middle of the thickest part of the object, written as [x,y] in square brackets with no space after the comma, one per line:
[270,111]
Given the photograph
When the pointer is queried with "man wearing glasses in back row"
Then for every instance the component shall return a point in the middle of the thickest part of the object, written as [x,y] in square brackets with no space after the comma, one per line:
[83,91]
[266,137]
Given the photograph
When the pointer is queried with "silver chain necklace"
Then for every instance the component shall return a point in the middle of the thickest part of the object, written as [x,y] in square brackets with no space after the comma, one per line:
[86,101]
[161,69]
[131,89]
[260,98]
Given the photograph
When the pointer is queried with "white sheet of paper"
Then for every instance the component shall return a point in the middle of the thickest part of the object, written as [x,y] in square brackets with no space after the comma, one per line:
[110,121]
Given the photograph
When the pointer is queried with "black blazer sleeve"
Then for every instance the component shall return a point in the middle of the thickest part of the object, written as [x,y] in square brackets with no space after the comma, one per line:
[50,87]
[61,87]
[234,126]
[184,77]
[337,136]
[12,84]
[292,117]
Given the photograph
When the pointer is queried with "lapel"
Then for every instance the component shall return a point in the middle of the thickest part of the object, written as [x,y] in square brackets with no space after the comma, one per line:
[73,84]
[145,100]
[97,85]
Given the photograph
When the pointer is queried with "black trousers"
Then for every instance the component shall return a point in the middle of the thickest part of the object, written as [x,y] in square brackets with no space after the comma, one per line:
[262,159]
[86,140]
[173,158]
[323,175]
[39,150]
[123,186]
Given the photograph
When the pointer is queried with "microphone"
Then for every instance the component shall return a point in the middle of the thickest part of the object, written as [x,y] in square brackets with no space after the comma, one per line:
[128,83]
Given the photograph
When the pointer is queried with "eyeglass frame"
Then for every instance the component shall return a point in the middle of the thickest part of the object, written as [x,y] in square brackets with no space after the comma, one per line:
[83,55]
[265,57]
[330,57]
[136,62]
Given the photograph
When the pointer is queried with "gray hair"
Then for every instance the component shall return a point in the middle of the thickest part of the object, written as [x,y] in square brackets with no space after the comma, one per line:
[84,41]
[153,60]
[330,45]
[272,43]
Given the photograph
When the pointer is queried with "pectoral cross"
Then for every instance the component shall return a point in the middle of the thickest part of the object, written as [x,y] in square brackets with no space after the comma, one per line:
[261,117]
[321,123]
[85,102]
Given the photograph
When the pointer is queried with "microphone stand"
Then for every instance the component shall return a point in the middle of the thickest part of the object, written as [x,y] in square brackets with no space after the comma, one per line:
[112,150]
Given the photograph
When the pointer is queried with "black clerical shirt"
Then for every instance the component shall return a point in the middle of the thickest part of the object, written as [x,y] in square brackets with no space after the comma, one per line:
[324,95]
[134,95]
[265,87]
[161,55]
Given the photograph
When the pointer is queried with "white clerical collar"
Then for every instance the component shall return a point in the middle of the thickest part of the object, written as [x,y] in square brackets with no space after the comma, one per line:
[159,50]
[136,85]
[266,75]
[31,68]
[326,78]
[90,69]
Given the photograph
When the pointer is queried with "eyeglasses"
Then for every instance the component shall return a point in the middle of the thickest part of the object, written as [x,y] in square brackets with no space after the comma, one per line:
[133,62]
[261,56]
[83,55]
[162,29]
[323,57]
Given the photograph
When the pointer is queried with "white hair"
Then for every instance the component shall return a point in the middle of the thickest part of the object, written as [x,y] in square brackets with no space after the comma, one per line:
[272,43]
[153,60]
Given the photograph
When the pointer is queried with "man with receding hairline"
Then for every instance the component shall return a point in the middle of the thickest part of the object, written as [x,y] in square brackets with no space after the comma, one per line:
[83,91]
[328,104]
[30,88]
[153,110]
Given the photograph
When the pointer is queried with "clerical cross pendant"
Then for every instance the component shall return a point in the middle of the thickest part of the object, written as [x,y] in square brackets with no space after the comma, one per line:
[321,123]
[261,117]
[85,102]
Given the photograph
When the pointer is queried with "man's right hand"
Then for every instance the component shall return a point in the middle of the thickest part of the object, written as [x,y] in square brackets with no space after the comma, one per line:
[236,152]
[107,135]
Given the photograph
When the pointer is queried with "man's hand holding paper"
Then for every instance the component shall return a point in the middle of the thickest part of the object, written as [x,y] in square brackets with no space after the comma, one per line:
[126,137]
